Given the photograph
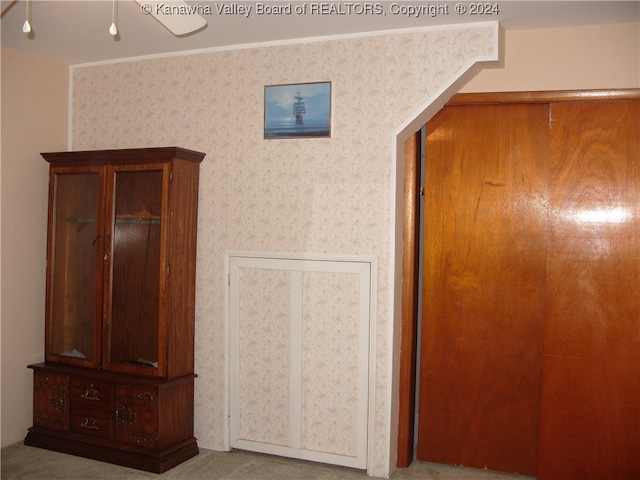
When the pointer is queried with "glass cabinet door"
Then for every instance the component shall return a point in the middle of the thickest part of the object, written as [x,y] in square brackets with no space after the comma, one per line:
[75,257]
[133,332]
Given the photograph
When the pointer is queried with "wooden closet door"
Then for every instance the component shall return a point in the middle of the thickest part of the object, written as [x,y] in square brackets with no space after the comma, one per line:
[484,286]
[590,417]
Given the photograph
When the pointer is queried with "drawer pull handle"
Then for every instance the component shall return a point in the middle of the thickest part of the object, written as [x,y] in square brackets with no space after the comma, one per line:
[57,401]
[124,415]
[143,441]
[90,423]
[90,394]
[145,397]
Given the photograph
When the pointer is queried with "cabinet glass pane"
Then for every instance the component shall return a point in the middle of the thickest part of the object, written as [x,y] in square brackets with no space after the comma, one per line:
[135,282]
[73,269]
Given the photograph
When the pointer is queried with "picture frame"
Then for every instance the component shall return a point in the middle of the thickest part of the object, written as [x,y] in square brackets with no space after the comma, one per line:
[297,110]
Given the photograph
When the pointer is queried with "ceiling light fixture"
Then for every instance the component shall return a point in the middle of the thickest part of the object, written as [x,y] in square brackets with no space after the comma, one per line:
[26,28]
[113,30]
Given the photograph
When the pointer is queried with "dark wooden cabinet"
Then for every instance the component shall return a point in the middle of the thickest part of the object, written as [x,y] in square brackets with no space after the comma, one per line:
[118,378]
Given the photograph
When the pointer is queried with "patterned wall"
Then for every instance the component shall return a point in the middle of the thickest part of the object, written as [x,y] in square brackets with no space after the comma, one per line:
[299,365]
[264,341]
[330,362]
[328,195]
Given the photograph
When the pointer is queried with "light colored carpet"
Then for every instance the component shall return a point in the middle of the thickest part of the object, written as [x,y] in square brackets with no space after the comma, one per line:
[20,462]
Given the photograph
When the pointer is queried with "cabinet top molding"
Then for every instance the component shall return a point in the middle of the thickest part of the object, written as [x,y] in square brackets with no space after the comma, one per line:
[124,156]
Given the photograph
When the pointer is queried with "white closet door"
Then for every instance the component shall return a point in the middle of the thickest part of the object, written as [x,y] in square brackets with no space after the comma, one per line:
[299,356]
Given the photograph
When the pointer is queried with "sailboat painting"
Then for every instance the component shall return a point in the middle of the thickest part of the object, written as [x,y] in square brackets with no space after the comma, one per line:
[298,110]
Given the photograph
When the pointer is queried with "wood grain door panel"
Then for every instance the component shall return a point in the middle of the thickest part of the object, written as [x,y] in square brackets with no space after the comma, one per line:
[590,419]
[531,321]
[484,286]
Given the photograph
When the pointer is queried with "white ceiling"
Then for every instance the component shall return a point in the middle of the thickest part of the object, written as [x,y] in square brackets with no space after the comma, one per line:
[75,32]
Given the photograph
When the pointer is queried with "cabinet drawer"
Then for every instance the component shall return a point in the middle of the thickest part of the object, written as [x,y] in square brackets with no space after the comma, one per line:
[137,416]
[91,393]
[50,400]
[96,423]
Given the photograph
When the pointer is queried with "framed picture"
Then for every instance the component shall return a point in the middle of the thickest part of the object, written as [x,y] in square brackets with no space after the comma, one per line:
[297,110]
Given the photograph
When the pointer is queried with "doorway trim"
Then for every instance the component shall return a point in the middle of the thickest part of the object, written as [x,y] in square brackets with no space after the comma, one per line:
[400,405]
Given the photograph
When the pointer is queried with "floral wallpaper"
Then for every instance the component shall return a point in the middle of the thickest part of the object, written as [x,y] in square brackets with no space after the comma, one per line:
[264,356]
[330,195]
[311,348]
[330,362]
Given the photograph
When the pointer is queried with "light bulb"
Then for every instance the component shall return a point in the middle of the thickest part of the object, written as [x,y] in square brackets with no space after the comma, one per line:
[113,30]
[26,27]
